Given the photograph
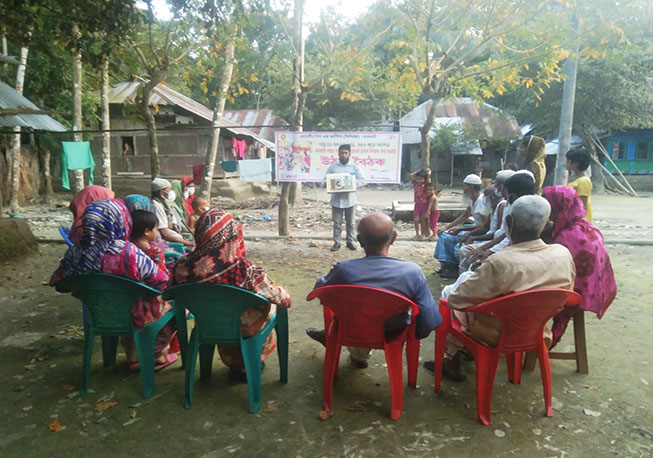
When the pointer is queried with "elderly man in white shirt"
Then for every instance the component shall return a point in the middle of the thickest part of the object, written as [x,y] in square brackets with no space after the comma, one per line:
[344,203]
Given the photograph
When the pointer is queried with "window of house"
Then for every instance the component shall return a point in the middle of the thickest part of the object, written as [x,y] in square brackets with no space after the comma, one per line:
[619,150]
[127,145]
[642,150]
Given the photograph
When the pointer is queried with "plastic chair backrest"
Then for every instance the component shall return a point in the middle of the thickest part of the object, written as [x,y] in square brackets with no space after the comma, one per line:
[524,314]
[362,311]
[108,299]
[64,231]
[217,308]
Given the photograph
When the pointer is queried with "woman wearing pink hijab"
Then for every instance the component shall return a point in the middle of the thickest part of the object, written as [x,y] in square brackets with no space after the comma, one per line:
[80,202]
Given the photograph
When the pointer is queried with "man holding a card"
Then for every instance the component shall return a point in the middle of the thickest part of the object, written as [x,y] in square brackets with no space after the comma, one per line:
[342,179]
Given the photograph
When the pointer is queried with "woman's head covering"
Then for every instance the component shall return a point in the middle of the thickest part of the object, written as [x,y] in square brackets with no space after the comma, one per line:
[79,204]
[106,226]
[217,231]
[185,180]
[178,204]
[534,160]
[594,276]
[137,202]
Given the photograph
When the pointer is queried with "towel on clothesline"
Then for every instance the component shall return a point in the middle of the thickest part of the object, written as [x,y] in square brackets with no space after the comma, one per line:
[76,156]
[255,170]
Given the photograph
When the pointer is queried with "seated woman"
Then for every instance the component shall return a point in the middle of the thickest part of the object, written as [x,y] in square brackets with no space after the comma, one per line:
[445,250]
[79,204]
[105,248]
[188,194]
[219,257]
[594,277]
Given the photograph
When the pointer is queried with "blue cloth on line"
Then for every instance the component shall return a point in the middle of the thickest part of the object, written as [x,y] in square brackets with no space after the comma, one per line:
[76,156]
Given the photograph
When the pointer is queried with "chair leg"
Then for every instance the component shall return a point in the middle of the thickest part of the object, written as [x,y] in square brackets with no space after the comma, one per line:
[440,343]
[580,344]
[412,358]
[206,360]
[109,350]
[182,332]
[86,361]
[486,369]
[393,359]
[281,329]
[514,362]
[330,365]
[189,379]
[144,341]
[251,349]
[545,369]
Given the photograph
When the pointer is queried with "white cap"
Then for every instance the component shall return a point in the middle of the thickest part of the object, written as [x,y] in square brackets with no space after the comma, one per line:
[526,172]
[160,183]
[503,175]
[473,179]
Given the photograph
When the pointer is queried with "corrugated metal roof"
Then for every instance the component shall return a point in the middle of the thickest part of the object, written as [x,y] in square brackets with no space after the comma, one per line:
[258,118]
[10,99]
[482,117]
[163,95]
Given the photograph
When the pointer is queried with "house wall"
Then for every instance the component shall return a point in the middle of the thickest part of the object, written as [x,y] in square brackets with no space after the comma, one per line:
[631,150]
[179,150]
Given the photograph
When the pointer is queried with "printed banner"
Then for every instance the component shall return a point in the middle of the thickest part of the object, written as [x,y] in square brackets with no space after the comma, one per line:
[305,156]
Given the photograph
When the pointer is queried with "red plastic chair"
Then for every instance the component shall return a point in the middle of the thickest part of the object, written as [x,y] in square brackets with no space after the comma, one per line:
[522,316]
[361,312]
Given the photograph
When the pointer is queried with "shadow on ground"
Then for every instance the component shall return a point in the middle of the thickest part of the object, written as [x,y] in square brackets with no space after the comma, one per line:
[42,346]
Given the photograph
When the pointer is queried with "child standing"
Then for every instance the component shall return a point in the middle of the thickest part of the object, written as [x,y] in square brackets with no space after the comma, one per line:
[432,212]
[578,160]
[420,178]
[200,206]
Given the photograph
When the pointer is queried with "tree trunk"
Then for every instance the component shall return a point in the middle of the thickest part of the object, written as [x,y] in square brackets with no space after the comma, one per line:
[567,113]
[156,76]
[47,177]
[5,51]
[425,132]
[291,193]
[15,139]
[106,123]
[78,182]
[218,111]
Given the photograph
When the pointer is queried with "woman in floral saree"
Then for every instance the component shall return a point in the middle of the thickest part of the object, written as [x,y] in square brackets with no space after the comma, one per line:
[219,257]
[594,276]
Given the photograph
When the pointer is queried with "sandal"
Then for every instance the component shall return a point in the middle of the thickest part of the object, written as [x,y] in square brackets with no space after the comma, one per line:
[170,358]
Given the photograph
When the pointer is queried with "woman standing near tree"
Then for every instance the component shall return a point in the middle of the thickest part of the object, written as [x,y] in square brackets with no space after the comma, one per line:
[533,151]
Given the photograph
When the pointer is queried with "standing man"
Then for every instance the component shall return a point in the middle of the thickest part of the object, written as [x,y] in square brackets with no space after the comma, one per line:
[344,203]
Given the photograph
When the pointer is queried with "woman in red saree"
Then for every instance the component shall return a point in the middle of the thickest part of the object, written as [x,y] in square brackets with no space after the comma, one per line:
[594,276]
[219,257]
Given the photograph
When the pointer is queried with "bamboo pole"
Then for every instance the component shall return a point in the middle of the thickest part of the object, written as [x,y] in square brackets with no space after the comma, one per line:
[602,149]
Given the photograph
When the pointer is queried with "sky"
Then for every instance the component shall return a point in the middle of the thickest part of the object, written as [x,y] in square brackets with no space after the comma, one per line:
[312,8]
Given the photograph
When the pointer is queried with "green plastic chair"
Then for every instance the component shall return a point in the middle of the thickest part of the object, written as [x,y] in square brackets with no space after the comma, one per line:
[217,310]
[108,300]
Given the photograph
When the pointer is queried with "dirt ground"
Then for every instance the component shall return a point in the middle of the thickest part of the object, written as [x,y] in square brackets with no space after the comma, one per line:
[605,413]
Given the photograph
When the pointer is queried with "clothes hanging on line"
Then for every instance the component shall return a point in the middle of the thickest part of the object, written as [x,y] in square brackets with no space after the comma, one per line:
[255,170]
[76,156]
[238,148]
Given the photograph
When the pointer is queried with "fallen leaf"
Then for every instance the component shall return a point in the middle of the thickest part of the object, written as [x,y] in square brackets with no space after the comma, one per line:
[292,340]
[499,433]
[105,405]
[133,414]
[591,387]
[269,409]
[591,413]
[25,324]
[324,415]
[55,426]
[67,388]
[131,422]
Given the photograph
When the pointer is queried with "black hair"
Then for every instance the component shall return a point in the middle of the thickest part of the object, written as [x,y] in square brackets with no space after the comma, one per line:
[430,184]
[142,220]
[580,157]
[421,173]
[526,140]
[520,184]
[344,147]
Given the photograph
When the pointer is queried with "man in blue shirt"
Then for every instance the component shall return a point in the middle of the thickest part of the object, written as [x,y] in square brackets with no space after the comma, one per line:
[344,203]
[377,269]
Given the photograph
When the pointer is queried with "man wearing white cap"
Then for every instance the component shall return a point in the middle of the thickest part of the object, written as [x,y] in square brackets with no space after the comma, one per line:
[162,194]
[479,209]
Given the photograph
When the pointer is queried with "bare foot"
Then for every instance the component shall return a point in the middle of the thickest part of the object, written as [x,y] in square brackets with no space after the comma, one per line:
[433,237]
[417,237]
